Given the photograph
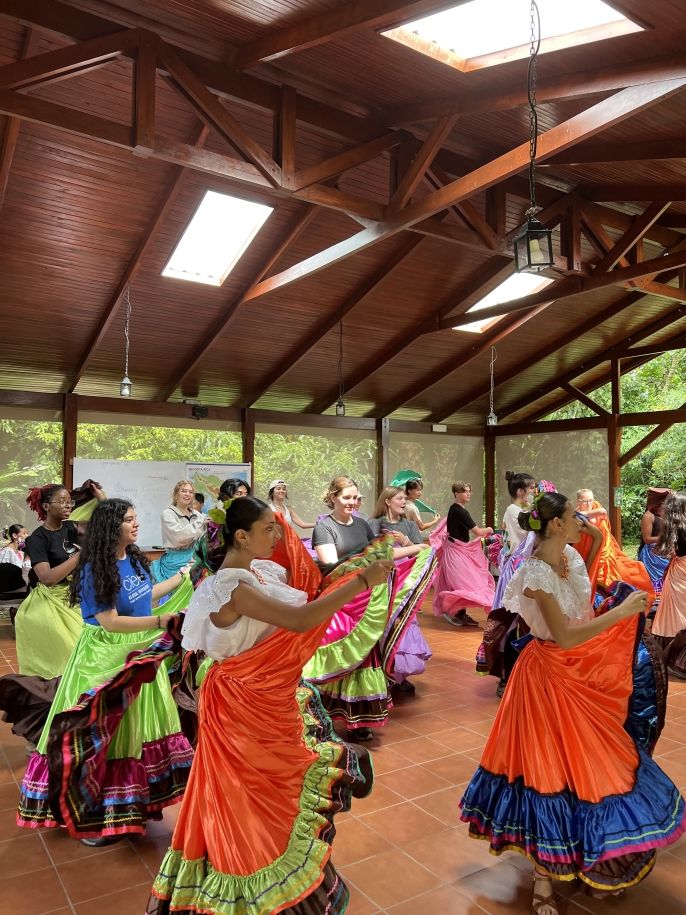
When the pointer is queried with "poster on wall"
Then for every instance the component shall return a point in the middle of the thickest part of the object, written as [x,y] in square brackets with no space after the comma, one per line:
[207,478]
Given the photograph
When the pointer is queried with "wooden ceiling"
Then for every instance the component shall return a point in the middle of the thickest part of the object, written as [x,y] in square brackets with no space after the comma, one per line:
[398,184]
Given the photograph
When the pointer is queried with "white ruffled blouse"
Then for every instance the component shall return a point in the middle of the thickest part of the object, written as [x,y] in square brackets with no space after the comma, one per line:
[573,594]
[200,633]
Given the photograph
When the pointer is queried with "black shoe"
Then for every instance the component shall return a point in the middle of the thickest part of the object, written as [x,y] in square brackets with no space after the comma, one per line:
[363,734]
[101,841]
[404,686]
[501,688]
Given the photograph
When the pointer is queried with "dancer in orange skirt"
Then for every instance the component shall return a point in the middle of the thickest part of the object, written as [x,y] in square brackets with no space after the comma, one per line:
[255,828]
[561,780]
[669,625]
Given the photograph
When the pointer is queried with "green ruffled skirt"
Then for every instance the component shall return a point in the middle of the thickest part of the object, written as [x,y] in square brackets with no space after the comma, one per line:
[47,629]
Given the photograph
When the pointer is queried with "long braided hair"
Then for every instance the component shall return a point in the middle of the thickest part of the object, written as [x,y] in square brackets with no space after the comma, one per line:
[100,552]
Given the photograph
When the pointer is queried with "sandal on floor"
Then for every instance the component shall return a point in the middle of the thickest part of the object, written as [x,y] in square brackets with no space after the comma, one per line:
[539,902]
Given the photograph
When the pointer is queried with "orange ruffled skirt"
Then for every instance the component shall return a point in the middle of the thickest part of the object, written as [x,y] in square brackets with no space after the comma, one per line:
[561,780]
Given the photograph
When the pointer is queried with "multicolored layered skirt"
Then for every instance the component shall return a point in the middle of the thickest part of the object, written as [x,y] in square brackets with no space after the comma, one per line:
[47,629]
[256,825]
[373,642]
[171,562]
[565,777]
[670,618]
[111,754]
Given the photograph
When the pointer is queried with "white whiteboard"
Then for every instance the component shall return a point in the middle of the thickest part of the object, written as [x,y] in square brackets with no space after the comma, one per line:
[147,485]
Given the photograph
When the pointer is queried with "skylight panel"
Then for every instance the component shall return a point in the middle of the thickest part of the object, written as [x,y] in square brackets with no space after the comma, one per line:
[481,33]
[514,287]
[215,238]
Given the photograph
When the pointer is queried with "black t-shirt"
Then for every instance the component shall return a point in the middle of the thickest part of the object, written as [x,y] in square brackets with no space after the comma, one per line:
[459,523]
[347,538]
[405,526]
[53,547]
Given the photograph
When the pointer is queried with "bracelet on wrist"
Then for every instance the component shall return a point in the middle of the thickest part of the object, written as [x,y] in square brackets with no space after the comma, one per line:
[159,622]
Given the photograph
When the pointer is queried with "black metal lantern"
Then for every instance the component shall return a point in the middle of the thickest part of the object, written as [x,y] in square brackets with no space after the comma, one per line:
[533,248]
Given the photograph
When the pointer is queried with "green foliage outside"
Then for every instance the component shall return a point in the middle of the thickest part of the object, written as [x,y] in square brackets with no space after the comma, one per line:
[657,385]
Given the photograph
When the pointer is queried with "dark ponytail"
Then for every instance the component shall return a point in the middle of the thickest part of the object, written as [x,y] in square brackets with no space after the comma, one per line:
[517,481]
[241,515]
[547,506]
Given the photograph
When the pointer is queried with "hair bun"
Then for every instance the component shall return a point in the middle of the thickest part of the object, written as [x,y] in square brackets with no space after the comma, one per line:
[524,521]
[509,475]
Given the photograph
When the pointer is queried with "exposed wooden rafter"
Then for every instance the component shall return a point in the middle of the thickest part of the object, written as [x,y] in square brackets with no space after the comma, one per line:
[606,354]
[132,268]
[420,163]
[485,279]
[343,19]
[571,85]
[190,363]
[12,126]
[325,326]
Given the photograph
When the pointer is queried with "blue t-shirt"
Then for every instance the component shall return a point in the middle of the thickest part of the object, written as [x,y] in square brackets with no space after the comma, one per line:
[134,597]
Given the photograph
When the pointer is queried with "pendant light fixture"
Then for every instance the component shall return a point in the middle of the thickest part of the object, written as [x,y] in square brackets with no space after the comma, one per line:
[533,247]
[125,385]
[340,405]
[492,419]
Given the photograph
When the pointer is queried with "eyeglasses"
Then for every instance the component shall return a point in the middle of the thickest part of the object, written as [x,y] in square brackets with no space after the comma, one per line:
[65,503]
[585,501]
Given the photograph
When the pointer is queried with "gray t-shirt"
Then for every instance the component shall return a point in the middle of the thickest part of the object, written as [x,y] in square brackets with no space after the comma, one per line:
[405,526]
[347,538]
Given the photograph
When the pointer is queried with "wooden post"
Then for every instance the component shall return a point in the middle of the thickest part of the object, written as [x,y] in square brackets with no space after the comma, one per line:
[70,418]
[614,450]
[489,480]
[248,433]
[382,443]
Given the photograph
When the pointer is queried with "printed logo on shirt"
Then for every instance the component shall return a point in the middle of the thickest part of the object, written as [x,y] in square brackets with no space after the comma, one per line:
[132,581]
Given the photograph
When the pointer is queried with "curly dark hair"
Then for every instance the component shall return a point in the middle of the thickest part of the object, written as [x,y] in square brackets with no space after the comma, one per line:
[100,552]
[674,520]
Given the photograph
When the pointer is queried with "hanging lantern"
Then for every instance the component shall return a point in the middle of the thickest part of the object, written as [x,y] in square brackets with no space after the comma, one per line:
[533,248]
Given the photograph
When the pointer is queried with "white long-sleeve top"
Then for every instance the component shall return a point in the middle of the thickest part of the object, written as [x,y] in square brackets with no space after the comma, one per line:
[179,532]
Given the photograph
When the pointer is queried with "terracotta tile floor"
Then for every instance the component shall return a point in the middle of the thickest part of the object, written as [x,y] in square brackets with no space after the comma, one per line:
[401,850]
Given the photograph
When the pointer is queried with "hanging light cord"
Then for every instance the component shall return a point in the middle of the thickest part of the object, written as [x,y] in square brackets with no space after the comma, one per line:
[535,39]
[340,360]
[494,356]
[127,302]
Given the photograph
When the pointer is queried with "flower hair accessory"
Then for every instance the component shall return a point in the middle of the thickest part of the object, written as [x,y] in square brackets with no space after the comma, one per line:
[544,486]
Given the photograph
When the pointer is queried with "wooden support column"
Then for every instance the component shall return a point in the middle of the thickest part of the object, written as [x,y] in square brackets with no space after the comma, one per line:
[489,479]
[248,433]
[70,416]
[382,448]
[614,450]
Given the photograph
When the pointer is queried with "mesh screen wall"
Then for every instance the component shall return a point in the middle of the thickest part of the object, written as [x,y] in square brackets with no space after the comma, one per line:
[441,460]
[308,459]
[570,460]
[30,455]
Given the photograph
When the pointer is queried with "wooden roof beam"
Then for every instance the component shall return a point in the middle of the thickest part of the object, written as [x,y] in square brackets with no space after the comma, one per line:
[568,85]
[11,133]
[583,398]
[211,110]
[64,63]
[304,347]
[588,388]
[344,161]
[597,118]
[574,285]
[297,226]
[640,226]
[647,440]
[342,20]
[483,280]
[132,268]
[468,213]
[604,356]
[641,151]
[420,163]
[458,362]
[656,349]
[591,323]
